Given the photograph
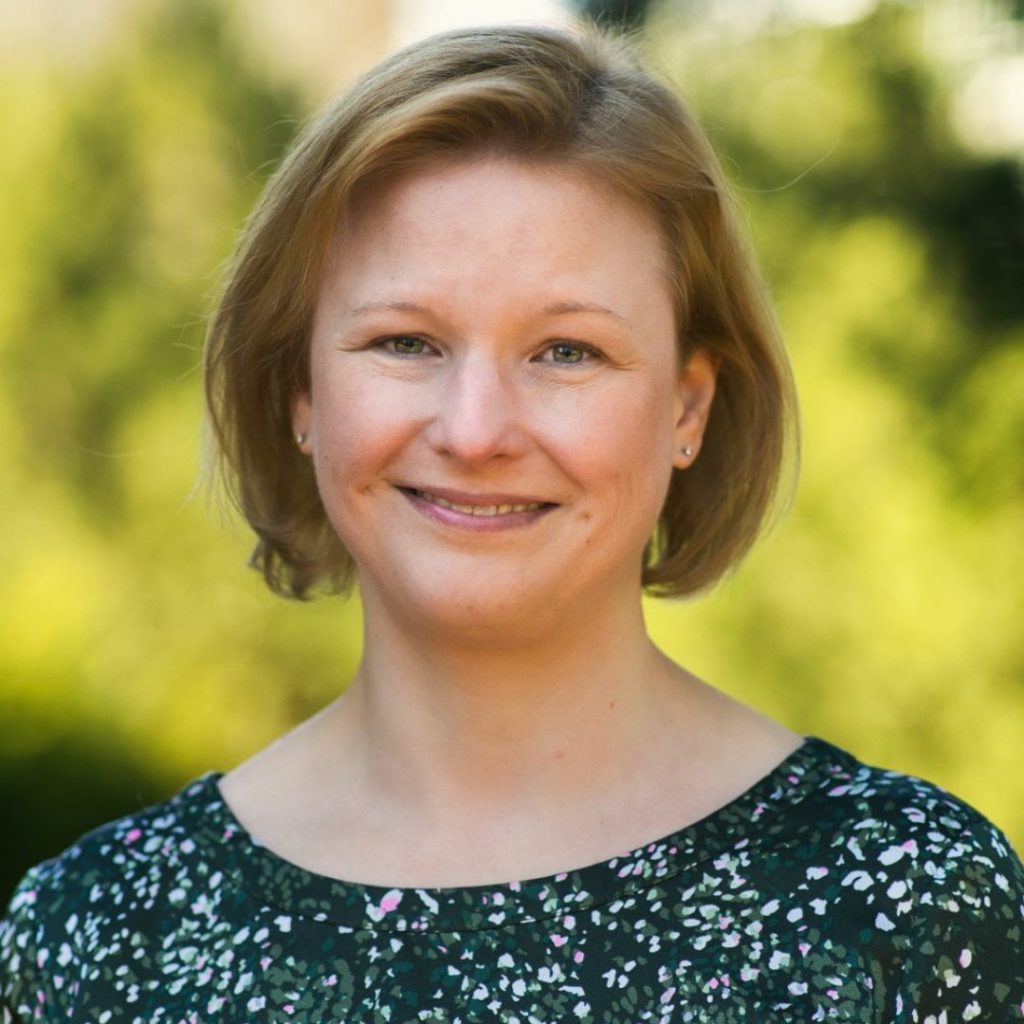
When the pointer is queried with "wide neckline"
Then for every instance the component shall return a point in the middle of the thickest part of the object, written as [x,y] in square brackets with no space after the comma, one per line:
[743,823]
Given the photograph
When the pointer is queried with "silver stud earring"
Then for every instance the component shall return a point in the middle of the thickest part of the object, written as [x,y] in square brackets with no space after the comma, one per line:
[687,451]
[300,439]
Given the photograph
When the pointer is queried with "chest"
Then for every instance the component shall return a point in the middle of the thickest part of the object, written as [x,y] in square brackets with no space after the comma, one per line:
[715,951]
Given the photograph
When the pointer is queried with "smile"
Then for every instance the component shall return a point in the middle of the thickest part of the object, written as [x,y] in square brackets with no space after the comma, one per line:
[477,510]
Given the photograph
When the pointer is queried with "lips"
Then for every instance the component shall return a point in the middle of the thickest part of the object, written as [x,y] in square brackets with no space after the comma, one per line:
[482,506]
[478,510]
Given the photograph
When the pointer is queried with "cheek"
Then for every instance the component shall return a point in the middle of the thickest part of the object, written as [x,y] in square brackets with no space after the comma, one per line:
[354,437]
[645,474]
[622,449]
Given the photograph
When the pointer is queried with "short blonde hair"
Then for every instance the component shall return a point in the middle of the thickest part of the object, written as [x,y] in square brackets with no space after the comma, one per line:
[579,98]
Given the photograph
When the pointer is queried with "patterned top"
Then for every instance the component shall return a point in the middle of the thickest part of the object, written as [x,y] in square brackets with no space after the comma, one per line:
[829,891]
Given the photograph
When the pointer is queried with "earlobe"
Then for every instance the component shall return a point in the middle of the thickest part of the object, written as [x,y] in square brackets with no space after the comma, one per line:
[300,408]
[695,393]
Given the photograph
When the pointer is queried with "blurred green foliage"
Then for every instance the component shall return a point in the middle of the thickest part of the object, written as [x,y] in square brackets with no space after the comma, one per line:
[883,614]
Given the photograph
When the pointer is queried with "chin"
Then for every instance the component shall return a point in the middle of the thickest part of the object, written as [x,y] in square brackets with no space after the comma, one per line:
[482,609]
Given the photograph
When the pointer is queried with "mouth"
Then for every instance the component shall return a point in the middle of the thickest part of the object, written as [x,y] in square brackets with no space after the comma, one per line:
[483,506]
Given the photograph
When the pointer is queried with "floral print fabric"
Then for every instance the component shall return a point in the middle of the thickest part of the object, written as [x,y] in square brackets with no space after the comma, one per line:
[830,891]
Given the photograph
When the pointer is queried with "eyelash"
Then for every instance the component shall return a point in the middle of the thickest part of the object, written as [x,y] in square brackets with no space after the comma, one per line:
[388,343]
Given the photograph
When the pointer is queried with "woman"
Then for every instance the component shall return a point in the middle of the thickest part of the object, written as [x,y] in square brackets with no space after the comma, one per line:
[493,346]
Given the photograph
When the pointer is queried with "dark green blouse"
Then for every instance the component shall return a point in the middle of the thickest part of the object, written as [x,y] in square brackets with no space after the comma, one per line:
[829,891]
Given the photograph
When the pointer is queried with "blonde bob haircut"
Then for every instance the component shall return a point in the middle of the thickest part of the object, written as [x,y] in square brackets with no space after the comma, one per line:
[579,98]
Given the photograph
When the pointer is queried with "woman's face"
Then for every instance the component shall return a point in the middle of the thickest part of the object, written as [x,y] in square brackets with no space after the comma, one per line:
[496,403]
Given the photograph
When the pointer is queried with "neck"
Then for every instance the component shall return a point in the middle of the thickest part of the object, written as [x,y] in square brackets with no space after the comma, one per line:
[442,722]
[456,763]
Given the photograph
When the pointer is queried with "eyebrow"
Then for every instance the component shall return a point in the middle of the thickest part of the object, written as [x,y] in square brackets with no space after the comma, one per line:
[395,307]
[554,309]
[560,308]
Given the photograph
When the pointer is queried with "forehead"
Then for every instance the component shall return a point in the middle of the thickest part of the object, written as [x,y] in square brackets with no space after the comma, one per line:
[498,249]
[514,209]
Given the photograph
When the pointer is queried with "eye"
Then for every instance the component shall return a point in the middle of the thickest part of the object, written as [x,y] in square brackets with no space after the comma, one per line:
[568,353]
[403,345]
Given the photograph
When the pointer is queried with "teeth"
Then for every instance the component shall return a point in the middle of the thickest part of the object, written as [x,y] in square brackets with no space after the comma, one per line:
[479,510]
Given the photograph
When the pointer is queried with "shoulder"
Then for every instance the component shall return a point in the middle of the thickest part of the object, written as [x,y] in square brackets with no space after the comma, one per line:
[934,887]
[882,818]
[895,848]
[123,873]
[101,866]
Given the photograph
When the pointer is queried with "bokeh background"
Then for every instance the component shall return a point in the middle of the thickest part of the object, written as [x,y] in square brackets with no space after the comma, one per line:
[876,147]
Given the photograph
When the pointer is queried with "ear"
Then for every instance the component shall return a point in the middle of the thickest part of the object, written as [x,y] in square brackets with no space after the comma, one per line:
[301,409]
[695,390]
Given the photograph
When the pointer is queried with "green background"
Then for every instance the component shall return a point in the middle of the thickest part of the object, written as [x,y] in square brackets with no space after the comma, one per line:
[883,613]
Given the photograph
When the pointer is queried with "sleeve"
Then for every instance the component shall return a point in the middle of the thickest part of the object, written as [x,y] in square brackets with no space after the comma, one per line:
[967,960]
[33,982]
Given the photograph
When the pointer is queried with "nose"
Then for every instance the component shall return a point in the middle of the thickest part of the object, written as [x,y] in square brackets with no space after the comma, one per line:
[479,412]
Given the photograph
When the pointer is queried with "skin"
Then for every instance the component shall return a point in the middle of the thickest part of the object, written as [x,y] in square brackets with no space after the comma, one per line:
[499,336]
